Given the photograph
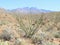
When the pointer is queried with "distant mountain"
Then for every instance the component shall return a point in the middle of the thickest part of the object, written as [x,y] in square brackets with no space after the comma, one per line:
[30,10]
[25,10]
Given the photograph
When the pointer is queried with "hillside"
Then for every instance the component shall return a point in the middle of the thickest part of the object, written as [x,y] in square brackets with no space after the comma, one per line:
[29,29]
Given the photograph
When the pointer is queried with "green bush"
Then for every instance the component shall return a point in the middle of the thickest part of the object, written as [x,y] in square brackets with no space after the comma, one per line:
[4,43]
[57,35]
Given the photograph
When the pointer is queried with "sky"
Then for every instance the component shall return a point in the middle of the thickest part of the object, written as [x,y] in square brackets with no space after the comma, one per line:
[53,5]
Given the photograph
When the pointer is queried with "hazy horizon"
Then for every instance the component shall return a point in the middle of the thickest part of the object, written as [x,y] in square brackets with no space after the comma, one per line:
[39,4]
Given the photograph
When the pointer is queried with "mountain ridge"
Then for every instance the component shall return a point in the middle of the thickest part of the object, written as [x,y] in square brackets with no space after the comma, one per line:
[30,10]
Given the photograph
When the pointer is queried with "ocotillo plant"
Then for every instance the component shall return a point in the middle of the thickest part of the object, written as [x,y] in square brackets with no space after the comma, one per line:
[32,27]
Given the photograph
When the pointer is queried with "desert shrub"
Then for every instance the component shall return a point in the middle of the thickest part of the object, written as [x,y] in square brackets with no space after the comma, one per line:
[4,43]
[17,42]
[31,28]
[48,43]
[7,34]
[4,22]
[57,35]
[39,38]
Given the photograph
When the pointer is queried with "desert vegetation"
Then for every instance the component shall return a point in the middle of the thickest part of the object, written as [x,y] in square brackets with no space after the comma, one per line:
[30,29]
